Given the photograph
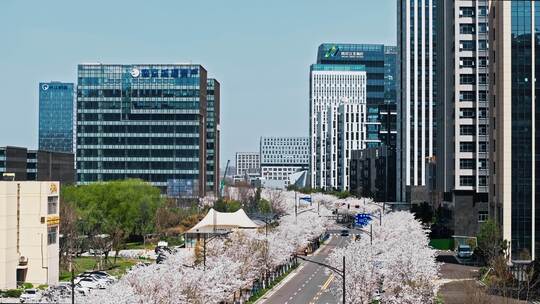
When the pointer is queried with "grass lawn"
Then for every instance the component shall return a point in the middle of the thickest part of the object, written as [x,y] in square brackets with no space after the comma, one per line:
[442,244]
[173,241]
[83,264]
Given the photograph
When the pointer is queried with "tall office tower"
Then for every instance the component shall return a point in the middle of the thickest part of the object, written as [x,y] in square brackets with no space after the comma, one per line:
[514,183]
[56,116]
[378,61]
[337,122]
[144,121]
[416,99]
[462,121]
[248,162]
[212,135]
[283,156]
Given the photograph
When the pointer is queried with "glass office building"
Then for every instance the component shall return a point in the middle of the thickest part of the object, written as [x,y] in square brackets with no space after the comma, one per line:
[146,121]
[515,190]
[56,113]
[212,135]
[380,65]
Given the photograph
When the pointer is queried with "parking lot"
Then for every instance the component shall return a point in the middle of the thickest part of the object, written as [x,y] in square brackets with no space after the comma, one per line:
[460,283]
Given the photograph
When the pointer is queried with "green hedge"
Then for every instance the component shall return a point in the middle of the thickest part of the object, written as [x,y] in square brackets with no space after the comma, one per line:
[442,244]
[11,293]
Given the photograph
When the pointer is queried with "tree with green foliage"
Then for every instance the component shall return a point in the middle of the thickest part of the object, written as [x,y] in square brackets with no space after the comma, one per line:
[116,208]
[490,242]
[423,212]
[222,205]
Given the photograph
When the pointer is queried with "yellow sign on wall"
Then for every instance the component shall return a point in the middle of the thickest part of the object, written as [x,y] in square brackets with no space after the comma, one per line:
[53,220]
[53,189]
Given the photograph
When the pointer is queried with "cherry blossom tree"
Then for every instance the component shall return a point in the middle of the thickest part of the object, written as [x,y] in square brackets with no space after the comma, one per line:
[400,263]
[232,263]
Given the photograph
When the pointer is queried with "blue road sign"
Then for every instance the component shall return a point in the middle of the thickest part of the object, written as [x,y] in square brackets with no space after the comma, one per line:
[306,198]
[362,219]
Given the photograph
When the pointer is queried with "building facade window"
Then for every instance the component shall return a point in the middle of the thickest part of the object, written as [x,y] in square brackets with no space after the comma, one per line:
[52,205]
[52,233]
[482,216]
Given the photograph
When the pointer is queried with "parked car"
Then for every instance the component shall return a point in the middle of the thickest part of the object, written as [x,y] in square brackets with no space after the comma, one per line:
[100,276]
[91,283]
[29,296]
[464,251]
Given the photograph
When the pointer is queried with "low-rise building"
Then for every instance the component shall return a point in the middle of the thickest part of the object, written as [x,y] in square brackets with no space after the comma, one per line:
[37,165]
[29,233]
[283,156]
[248,162]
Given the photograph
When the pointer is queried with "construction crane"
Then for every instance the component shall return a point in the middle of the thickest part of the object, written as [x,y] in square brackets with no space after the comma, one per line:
[222,184]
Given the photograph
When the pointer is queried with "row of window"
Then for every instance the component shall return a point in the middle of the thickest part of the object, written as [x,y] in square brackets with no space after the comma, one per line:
[136,117]
[469,146]
[470,130]
[468,181]
[470,62]
[470,113]
[470,11]
[139,165]
[470,45]
[471,95]
[138,141]
[137,153]
[137,129]
[154,93]
[470,28]
[471,78]
[468,163]
[154,177]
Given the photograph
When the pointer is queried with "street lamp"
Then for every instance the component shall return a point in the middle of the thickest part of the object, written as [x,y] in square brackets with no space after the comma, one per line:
[206,240]
[339,272]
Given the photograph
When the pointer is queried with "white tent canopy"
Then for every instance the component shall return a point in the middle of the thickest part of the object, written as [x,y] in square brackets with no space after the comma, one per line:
[219,221]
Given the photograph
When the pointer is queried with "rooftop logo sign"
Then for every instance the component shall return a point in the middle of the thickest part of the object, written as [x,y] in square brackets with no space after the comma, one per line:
[332,52]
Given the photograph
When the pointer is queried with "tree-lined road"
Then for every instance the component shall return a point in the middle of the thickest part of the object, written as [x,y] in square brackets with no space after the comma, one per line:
[310,283]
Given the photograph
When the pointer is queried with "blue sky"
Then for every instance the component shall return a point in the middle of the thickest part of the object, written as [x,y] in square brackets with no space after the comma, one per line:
[260,51]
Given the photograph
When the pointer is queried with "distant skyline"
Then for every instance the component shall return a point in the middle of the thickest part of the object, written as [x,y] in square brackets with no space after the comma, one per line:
[260,52]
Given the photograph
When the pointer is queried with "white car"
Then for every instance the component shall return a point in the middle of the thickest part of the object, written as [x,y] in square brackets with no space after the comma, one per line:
[29,296]
[90,283]
[464,251]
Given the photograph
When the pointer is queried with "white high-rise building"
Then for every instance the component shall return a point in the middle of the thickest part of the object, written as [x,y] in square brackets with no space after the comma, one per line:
[417,98]
[283,156]
[337,122]
[462,113]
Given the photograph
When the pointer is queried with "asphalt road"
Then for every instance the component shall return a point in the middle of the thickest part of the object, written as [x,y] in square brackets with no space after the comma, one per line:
[309,285]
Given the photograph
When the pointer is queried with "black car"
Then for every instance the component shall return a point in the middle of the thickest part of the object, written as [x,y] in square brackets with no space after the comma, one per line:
[345,232]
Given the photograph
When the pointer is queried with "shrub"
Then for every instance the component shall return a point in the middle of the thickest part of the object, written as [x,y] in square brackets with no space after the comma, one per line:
[12,293]
[42,286]
[27,285]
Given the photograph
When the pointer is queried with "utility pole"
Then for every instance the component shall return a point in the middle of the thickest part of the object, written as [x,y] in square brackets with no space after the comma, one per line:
[204,252]
[72,281]
[371,234]
[343,291]
[295,209]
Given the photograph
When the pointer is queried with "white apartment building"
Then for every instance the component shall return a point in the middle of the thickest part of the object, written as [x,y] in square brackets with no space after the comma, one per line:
[29,233]
[462,122]
[248,162]
[337,122]
[283,156]
[417,97]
